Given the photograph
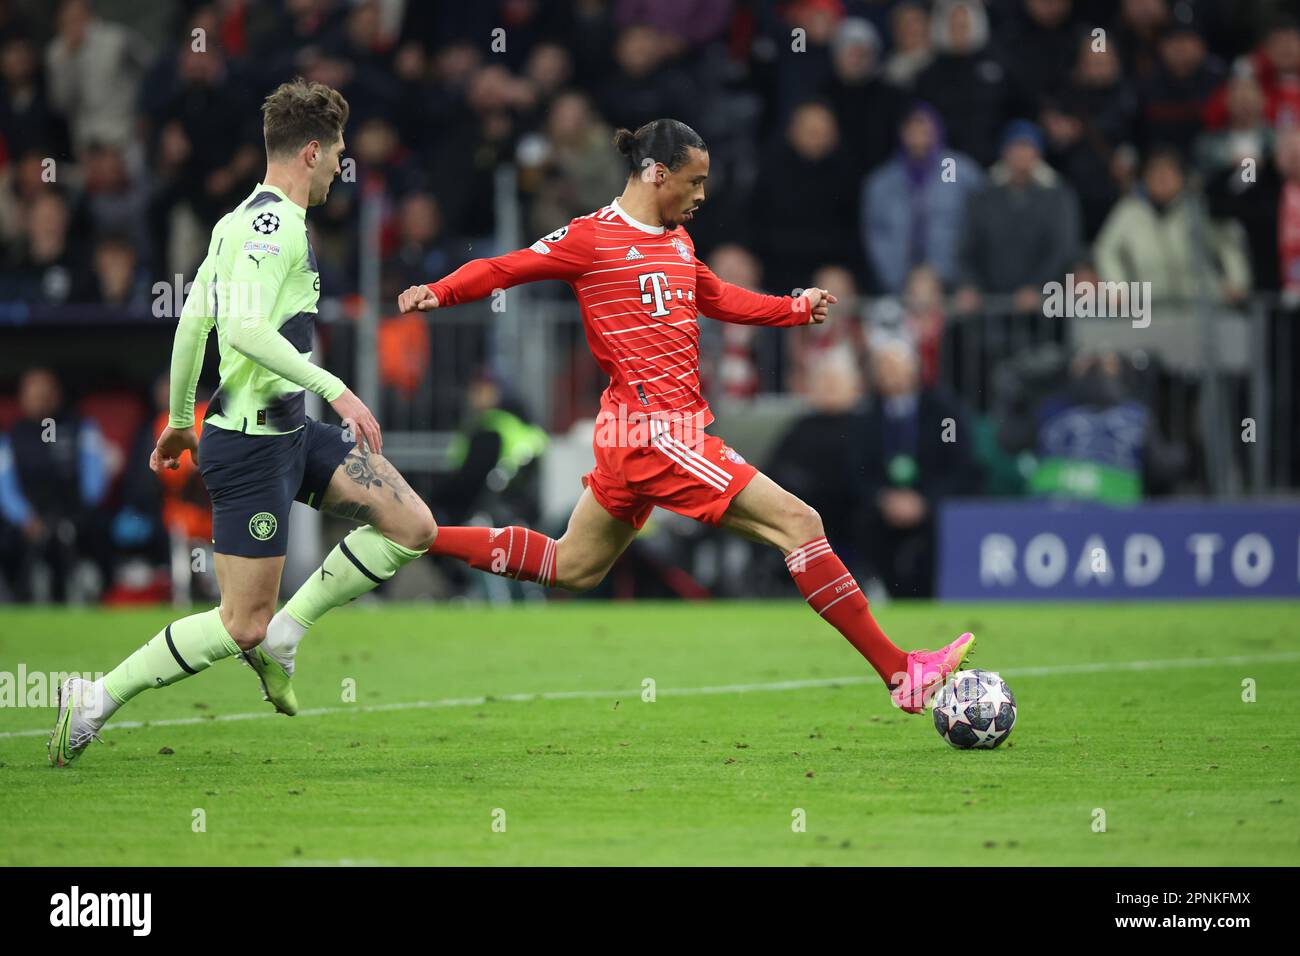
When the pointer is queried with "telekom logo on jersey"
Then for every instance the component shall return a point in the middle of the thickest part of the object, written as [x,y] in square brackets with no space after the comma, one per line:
[658,292]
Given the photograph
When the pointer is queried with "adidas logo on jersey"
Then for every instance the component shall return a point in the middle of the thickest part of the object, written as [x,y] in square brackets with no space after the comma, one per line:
[633,254]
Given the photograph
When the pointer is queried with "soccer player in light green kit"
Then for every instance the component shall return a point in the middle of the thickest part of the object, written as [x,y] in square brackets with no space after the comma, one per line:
[259,288]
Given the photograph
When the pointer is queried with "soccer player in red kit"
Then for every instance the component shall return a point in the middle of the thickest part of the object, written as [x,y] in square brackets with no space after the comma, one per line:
[632,266]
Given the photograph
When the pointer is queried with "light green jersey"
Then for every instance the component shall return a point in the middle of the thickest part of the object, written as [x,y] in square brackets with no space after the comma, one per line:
[259,286]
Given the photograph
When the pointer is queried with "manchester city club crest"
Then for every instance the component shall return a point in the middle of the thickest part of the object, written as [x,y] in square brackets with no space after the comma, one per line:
[266,223]
[682,250]
[262,526]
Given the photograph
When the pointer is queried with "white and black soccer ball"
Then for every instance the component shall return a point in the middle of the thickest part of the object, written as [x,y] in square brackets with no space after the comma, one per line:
[975,710]
[266,223]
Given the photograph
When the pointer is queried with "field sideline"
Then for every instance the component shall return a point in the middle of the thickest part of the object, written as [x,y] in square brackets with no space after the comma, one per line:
[534,716]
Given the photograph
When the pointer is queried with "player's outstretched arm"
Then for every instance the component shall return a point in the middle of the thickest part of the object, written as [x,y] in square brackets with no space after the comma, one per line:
[731,303]
[564,254]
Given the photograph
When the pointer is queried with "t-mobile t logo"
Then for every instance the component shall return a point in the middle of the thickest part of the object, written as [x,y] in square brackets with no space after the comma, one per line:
[658,283]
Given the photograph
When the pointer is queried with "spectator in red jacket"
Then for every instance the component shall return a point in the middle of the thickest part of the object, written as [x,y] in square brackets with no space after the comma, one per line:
[1276,65]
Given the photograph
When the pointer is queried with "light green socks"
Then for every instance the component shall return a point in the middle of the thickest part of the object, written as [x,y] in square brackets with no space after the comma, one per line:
[179,650]
[361,561]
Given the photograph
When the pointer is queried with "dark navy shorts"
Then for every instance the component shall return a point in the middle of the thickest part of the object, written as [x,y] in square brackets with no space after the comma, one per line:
[253,479]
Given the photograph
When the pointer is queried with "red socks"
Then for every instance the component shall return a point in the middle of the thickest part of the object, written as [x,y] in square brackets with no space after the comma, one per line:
[831,591]
[513,552]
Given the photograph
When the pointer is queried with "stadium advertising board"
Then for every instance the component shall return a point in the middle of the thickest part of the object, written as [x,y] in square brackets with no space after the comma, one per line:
[1044,550]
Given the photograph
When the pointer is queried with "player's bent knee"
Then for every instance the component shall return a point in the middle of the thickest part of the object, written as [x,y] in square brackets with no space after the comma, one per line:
[416,529]
[423,531]
[811,523]
[802,524]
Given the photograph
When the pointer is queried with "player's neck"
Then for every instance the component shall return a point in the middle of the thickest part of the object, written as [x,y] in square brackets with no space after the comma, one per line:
[295,185]
[640,205]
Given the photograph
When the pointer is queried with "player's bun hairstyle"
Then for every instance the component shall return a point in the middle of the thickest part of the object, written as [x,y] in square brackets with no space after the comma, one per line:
[299,112]
[658,141]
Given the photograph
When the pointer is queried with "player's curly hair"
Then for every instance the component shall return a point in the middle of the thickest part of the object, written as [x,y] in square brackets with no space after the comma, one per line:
[299,112]
[658,141]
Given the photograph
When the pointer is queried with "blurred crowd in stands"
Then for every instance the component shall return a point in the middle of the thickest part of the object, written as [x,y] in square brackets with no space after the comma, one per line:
[924,159]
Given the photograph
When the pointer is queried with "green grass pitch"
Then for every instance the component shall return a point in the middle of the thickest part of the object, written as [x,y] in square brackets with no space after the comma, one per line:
[1134,710]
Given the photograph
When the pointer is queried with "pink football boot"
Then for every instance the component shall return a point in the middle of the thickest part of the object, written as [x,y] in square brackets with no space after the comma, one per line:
[926,673]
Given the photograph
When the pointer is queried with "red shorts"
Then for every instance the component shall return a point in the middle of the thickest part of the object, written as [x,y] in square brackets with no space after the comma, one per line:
[697,479]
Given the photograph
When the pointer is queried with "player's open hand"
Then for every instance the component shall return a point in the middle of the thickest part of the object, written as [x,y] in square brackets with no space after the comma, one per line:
[818,304]
[357,419]
[417,298]
[172,443]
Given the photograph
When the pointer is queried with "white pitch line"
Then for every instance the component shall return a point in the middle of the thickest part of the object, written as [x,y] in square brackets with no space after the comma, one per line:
[1050,670]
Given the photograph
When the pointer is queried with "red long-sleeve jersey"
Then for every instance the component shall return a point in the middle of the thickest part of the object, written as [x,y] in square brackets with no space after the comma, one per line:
[641,291]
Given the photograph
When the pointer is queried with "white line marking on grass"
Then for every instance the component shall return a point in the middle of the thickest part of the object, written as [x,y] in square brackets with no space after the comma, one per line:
[1050,670]
[344,861]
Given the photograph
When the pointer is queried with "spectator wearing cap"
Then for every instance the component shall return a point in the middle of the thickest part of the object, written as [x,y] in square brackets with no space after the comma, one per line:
[1022,230]
[866,107]
[1151,237]
[965,83]
[1175,94]
[912,49]
[912,207]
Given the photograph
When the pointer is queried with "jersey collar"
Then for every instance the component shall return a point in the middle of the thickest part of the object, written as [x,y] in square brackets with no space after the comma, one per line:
[635,224]
[276,190]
